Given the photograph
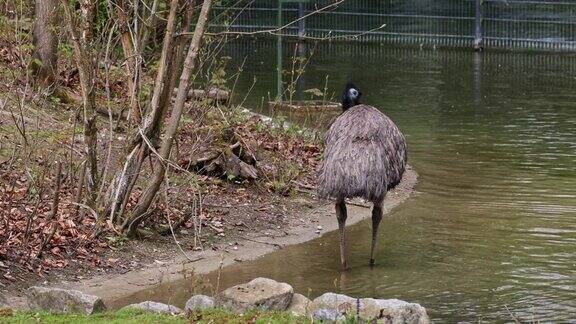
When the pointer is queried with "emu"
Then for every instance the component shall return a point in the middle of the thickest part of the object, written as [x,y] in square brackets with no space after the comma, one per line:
[365,156]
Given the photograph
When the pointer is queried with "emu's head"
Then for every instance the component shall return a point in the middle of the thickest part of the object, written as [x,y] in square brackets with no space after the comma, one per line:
[350,96]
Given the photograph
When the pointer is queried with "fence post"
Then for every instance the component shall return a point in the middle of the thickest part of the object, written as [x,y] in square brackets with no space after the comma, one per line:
[279,54]
[301,22]
[478,42]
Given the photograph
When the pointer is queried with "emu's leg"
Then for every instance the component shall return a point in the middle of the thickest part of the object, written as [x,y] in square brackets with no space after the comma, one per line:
[341,215]
[376,218]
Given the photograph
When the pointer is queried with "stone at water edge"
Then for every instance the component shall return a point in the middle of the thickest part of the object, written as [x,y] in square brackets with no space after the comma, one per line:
[393,311]
[199,302]
[299,305]
[155,307]
[345,305]
[58,300]
[327,314]
[260,293]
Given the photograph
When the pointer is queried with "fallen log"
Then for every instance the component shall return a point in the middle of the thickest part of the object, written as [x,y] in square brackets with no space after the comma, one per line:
[220,95]
[233,162]
[305,105]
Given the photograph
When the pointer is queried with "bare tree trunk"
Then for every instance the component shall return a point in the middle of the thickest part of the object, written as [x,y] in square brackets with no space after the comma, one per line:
[45,39]
[88,10]
[124,182]
[86,64]
[132,61]
[147,27]
[174,71]
[131,223]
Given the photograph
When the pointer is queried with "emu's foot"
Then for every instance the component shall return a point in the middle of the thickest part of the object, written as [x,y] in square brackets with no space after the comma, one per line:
[372,262]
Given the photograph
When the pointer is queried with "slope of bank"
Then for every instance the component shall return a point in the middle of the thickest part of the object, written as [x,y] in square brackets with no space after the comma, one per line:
[120,290]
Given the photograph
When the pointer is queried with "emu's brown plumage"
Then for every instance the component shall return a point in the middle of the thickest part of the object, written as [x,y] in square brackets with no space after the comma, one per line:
[365,156]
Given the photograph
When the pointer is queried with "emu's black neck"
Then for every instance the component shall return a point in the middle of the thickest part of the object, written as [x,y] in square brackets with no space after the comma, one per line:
[348,103]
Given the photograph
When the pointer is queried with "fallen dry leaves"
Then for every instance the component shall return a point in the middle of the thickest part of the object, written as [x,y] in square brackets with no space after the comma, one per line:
[26,204]
[25,211]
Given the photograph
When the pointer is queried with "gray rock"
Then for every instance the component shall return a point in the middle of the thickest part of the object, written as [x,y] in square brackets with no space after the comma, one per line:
[155,307]
[299,305]
[58,300]
[260,293]
[199,302]
[343,304]
[393,311]
[390,311]
[327,314]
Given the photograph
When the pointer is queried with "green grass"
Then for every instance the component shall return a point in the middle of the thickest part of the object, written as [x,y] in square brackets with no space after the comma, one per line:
[140,317]
[124,316]
[261,317]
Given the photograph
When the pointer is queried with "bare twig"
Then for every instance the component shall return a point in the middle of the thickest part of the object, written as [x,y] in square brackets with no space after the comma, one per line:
[179,246]
[104,174]
[273,30]
[90,209]
[303,185]
[80,187]
[257,241]
[514,318]
[52,217]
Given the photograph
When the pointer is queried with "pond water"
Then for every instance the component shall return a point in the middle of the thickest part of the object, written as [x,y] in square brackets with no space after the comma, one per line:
[491,232]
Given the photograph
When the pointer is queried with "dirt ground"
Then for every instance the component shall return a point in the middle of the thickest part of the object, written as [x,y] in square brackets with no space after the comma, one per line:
[233,213]
[229,209]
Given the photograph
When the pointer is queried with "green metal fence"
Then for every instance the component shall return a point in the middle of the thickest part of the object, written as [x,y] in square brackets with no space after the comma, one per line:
[506,24]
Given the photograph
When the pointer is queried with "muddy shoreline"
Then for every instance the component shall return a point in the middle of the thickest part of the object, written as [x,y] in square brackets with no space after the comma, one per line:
[118,289]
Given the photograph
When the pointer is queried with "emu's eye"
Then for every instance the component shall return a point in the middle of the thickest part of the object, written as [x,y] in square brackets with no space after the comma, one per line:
[353,92]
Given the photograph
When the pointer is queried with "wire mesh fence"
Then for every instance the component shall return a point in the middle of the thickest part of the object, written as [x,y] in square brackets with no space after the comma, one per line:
[506,24]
